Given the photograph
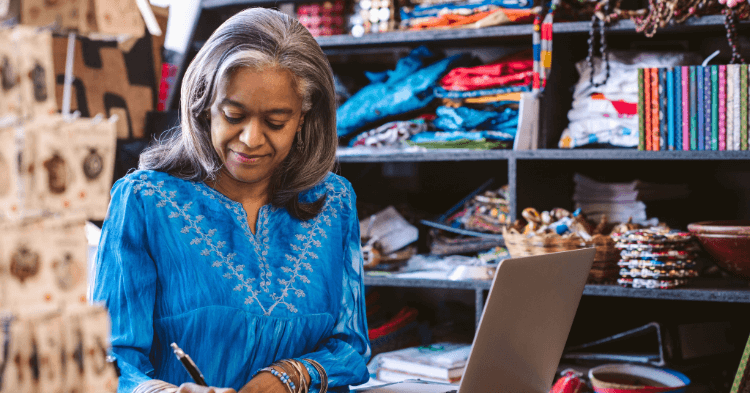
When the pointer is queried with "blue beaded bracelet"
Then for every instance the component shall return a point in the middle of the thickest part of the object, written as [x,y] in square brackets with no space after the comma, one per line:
[282,376]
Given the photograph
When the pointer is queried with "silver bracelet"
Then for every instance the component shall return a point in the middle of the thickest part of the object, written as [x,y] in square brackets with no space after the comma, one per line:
[155,386]
[323,375]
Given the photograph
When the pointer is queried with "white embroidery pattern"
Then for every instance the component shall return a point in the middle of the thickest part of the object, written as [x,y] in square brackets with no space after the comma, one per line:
[261,247]
[306,242]
[304,250]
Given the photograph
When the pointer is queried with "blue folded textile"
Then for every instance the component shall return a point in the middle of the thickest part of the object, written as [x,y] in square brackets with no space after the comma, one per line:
[379,101]
[455,94]
[467,119]
[408,64]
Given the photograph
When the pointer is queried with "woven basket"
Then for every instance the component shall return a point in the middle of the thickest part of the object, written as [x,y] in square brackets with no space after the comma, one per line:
[604,269]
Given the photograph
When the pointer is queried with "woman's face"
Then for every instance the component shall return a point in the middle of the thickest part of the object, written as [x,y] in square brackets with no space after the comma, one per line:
[254,120]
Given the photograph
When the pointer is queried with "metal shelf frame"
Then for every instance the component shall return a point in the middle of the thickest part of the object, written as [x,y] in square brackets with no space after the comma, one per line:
[703,290]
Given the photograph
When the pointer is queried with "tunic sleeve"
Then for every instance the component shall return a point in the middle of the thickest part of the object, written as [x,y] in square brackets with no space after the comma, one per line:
[126,284]
[345,353]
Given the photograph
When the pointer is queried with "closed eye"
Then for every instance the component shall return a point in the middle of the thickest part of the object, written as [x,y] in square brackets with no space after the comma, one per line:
[275,126]
[233,119]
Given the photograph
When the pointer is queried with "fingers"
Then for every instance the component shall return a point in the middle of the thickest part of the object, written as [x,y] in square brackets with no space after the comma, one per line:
[193,388]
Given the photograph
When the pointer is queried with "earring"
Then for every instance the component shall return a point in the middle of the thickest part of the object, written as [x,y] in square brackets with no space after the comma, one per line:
[300,144]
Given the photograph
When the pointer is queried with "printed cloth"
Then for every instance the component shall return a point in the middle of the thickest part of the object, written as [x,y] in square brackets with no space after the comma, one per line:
[476,18]
[392,133]
[177,262]
[464,7]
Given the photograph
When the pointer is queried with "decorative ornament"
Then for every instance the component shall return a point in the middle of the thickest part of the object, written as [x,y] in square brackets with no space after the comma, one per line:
[24,264]
[57,174]
[37,76]
[9,77]
[67,272]
[4,176]
[93,164]
[98,356]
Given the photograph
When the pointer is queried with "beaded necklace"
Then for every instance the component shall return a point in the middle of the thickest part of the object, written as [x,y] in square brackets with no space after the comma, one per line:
[602,48]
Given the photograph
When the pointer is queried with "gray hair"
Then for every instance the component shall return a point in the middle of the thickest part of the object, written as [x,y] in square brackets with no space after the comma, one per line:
[257,38]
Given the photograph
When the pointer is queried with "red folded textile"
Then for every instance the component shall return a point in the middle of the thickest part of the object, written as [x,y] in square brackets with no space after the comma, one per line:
[513,70]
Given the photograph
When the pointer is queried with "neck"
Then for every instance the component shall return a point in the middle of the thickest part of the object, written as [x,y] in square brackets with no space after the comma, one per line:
[242,192]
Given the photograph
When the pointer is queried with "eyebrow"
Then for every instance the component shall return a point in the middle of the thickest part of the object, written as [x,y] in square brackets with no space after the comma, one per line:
[280,111]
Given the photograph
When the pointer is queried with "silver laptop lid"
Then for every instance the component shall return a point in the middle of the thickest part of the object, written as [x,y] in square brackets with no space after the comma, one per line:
[525,323]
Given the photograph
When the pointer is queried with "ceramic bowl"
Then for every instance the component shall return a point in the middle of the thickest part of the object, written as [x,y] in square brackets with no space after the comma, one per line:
[728,242]
[632,378]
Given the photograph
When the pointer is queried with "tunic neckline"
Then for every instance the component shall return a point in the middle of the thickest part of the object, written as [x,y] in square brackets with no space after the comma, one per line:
[242,217]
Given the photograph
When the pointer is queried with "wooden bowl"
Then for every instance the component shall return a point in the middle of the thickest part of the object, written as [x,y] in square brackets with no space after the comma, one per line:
[728,242]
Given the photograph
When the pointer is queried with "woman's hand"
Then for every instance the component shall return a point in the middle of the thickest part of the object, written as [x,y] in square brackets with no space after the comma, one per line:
[193,388]
[264,383]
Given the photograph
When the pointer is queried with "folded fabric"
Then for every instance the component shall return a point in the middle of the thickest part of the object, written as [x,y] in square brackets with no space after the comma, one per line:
[479,18]
[480,144]
[596,108]
[619,136]
[498,99]
[456,94]
[379,101]
[405,66]
[423,11]
[512,70]
[467,119]
[392,133]
[449,136]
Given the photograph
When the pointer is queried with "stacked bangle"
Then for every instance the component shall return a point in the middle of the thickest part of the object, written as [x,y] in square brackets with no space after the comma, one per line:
[155,386]
[291,366]
[323,374]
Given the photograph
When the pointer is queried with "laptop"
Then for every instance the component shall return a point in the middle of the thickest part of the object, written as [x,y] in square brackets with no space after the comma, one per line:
[523,329]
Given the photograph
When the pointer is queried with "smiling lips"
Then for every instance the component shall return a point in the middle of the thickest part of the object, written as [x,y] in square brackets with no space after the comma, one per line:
[247,158]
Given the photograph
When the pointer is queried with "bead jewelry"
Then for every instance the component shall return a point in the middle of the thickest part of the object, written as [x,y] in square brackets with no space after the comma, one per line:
[602,50]
[730,23]
[282,376]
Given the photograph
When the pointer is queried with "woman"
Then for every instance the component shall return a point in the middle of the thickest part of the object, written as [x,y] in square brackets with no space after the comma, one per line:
[233,239]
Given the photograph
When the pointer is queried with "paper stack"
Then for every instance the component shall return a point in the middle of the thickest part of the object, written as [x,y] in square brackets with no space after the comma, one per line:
[621,201]
[442,362]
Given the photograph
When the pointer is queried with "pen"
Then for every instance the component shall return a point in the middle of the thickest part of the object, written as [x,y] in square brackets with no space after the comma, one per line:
[191,368]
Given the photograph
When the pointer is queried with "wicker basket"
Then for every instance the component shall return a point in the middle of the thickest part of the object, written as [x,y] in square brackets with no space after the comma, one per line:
[604,269]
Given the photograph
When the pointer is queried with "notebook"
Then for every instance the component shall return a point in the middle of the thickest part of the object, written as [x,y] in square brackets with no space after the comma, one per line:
[524,326]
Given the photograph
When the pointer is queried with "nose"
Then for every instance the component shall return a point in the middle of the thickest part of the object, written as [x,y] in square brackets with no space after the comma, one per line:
[252,134]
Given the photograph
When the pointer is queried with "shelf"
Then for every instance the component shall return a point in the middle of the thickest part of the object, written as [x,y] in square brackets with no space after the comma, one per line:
[628,154]
[347,154]
[506,31]
[706,290]
[212,4]
[424,36]
[392,280]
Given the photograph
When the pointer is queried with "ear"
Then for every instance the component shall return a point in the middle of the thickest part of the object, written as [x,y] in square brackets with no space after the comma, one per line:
[301,122]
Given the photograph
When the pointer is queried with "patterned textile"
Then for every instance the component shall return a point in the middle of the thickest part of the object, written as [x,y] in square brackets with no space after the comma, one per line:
[178,262]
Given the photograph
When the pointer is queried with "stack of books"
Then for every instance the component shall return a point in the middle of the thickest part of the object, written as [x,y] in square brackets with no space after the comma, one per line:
[693,108]
[443,362]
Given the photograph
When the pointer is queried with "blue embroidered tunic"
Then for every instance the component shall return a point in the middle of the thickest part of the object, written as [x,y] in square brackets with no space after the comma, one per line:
[177,262]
